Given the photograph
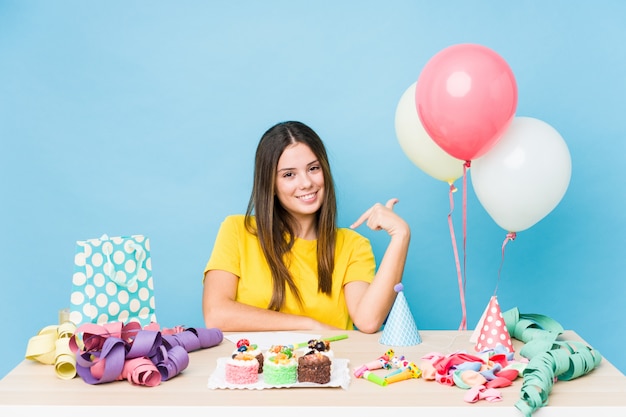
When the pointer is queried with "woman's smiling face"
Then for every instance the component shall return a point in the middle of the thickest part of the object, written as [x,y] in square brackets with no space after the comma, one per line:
[299,181]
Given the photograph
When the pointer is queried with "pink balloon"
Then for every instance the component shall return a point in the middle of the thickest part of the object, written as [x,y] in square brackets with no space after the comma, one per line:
[466,97]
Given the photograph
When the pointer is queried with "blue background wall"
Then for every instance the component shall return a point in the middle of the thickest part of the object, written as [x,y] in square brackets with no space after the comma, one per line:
[141,117]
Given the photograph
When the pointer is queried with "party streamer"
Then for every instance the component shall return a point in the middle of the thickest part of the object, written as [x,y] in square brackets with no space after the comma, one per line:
[51,347]
[550,360]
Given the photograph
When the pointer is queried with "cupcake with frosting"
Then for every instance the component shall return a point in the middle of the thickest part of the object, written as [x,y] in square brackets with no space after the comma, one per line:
[316,364]
[280,366]
[244,346]
[242,369]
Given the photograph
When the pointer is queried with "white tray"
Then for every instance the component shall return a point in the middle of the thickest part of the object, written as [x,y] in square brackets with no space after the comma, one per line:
[339,377]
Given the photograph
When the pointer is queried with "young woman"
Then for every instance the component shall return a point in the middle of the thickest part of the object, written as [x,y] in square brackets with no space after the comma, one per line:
[285,265]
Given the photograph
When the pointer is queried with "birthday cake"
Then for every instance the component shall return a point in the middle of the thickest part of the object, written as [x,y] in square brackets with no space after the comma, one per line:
[315,365]
[242,368]
[280,366]
[244,346]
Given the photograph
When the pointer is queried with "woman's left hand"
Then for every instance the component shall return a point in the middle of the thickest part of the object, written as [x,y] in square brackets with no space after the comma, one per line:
[382,217]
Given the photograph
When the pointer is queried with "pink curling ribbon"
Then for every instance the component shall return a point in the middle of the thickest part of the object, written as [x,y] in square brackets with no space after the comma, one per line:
[140,371]
[463,325]
[466,166]
[509,237]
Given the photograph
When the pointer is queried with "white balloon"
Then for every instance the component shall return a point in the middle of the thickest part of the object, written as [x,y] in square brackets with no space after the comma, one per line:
[418,145]
[524,176]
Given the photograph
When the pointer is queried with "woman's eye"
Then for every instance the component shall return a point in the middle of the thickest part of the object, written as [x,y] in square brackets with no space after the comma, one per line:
[314,168]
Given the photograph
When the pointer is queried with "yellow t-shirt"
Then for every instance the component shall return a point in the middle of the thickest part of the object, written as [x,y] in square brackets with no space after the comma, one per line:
[239,252]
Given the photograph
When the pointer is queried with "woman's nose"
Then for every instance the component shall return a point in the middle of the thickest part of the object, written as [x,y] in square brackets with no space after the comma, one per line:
[305,181]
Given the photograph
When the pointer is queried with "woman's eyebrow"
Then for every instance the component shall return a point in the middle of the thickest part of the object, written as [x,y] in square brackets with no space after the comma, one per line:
[291,169]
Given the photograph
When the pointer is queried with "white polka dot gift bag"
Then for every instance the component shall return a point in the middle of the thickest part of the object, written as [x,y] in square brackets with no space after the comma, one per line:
[112,281]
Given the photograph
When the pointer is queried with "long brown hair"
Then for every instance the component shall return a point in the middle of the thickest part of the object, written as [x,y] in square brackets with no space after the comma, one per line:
[275,227]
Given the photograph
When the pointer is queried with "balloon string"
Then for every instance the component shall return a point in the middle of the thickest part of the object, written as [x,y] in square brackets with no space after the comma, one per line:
[509,236]
[463,325]
[466,166]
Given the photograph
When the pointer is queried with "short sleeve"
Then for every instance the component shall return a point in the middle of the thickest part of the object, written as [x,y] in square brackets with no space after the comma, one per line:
[226,255]
[355,257]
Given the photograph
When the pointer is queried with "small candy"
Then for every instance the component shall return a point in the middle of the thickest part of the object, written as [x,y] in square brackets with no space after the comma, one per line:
[245,348]
[243,342]
[319,345]
[281,350]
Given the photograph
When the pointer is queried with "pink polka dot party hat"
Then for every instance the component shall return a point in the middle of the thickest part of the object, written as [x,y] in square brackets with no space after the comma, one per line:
[491,330]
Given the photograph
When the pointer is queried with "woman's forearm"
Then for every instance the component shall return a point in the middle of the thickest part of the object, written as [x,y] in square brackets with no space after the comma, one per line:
[380,295]
[235,316]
